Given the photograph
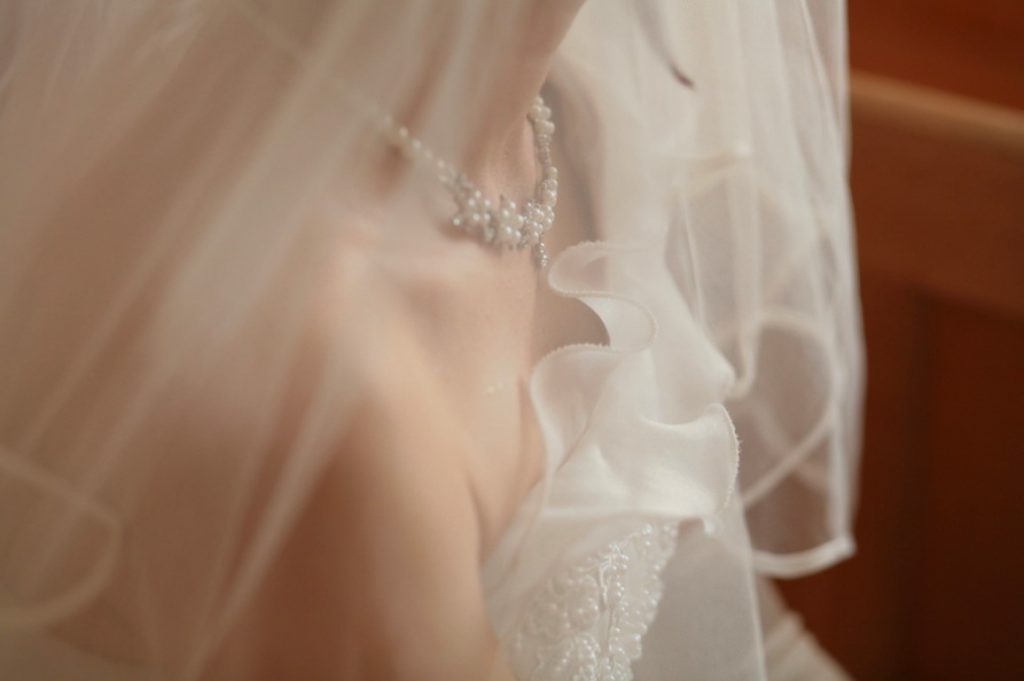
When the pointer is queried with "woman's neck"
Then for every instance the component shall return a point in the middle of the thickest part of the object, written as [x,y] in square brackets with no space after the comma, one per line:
[496,150]
[502,154]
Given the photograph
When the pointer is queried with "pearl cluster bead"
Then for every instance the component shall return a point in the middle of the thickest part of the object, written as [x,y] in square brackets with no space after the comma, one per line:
[504,225]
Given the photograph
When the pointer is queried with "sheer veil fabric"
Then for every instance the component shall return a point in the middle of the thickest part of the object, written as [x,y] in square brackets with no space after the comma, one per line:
[179,184]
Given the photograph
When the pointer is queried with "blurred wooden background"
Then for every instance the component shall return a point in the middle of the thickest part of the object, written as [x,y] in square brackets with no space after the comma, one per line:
[936,590]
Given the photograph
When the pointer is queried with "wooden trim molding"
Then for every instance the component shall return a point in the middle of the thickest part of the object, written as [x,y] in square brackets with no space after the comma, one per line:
[937,113]
[938,187]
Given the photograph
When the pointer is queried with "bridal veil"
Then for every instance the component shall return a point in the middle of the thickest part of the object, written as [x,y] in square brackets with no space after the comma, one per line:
[175,177]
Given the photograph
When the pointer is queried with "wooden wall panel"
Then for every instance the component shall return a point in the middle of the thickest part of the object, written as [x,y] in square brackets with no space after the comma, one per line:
[971,47]
[861,609]
[969,600]
[936,589]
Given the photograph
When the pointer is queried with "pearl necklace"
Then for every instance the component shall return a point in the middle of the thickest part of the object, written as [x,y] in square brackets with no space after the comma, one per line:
[504,226]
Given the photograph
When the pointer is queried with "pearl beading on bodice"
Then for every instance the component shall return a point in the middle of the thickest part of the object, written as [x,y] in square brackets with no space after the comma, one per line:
[587,622]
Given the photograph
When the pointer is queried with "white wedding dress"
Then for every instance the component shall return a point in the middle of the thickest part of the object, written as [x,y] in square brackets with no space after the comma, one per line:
[615,565]
[707,448]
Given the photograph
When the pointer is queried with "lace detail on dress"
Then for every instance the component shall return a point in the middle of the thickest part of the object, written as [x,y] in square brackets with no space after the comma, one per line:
[587,622]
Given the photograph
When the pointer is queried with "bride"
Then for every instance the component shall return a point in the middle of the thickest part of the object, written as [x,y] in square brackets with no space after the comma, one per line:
[473,339]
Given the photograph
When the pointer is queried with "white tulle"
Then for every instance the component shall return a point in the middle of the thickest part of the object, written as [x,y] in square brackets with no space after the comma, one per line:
[175,181]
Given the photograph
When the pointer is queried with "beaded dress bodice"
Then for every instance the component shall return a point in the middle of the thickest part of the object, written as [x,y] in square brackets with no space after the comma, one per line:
[587,620]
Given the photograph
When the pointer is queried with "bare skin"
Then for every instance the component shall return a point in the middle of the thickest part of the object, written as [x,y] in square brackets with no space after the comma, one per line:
[379,575]
[444,448]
